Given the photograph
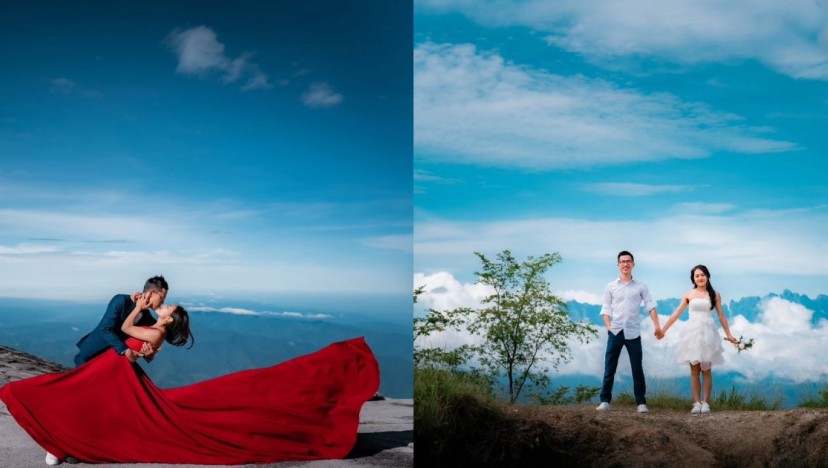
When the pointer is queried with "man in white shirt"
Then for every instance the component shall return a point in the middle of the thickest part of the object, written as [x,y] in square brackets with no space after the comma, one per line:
[621,312]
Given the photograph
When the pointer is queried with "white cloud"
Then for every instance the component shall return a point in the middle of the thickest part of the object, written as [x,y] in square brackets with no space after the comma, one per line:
[442,291]
[626,189]
[788,37]
[703,208]
[421,175]
[748,254]
[26,249]
[201,54]
[92,274]
[242,311]
[473,107]
[90,244]
[321,95]
[422,178]
[258,80]
[584,297]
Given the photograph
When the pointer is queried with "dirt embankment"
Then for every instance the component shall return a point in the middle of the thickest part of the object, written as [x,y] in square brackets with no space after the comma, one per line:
[580,436]
[623,437]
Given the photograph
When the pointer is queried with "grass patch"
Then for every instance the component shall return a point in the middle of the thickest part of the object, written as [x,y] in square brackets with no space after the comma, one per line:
[436,389]
[731,400]
[735,401]
[459,423]
[818,402]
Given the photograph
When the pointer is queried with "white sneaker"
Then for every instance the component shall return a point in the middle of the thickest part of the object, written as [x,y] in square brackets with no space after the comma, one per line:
[52,460]
[643,409]
[705,408]
[604,406]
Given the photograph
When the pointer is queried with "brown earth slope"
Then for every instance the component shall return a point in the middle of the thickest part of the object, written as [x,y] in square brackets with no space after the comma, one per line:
[623,437]
[577,435]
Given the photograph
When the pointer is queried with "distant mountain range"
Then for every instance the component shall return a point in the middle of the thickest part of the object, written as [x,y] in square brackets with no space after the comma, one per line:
[225,342]
[746,307]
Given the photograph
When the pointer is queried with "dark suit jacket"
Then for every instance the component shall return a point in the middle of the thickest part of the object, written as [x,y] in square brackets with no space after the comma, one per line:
[108,332]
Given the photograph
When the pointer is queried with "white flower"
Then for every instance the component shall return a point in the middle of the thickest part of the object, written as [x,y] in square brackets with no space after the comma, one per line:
[741,346]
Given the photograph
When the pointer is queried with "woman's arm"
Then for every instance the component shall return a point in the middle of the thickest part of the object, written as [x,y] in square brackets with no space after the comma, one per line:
[150,335]
[676,314]
[723,320]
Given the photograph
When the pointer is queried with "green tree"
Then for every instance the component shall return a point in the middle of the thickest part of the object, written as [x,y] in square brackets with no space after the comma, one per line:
[523,325]
[437,358]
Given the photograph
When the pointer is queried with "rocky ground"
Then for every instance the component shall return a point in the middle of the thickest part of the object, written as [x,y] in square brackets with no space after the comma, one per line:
[385,439]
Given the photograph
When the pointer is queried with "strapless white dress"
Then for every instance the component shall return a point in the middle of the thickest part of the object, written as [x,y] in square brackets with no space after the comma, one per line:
[700,342]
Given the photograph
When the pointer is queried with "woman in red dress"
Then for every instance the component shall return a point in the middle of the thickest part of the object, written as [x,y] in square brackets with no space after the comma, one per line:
[108,410]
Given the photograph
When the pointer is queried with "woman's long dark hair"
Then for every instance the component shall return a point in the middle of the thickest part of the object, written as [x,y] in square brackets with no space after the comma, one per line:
[178,332]
[710,289]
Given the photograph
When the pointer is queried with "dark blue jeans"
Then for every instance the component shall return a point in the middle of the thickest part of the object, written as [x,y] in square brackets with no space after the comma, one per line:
[614,345]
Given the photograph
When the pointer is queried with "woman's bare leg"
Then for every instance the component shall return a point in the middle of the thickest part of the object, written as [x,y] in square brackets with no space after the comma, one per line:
[695,385]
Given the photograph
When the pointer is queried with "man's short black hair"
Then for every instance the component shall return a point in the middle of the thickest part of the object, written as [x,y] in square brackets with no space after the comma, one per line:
[624,252]
[156,283]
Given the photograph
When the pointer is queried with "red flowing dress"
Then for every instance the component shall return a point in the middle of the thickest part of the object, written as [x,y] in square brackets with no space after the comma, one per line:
[108,410]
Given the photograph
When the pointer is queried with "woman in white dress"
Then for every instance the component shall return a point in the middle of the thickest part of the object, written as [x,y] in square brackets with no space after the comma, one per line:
[700,345]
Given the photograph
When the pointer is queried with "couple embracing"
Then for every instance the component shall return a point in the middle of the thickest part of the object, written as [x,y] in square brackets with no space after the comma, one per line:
[700,346]
[108,410]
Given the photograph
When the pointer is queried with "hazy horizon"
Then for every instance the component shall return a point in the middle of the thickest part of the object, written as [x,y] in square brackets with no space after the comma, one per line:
[230,336]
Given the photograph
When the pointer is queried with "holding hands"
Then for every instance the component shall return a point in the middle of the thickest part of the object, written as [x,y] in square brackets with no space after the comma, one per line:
[659,333]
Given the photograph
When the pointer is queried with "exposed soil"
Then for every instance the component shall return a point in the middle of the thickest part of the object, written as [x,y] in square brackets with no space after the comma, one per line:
[623,437]
[577,435]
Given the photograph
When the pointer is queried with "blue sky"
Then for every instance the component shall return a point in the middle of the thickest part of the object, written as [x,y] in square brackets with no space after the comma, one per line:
[236,148]
[686,132]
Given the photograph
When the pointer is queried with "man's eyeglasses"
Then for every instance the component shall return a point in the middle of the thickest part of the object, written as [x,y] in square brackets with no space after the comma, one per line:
[624,261]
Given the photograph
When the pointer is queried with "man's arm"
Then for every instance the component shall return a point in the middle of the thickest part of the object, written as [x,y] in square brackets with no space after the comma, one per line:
[650,305]
[606,308]
[658,332]
[110,323]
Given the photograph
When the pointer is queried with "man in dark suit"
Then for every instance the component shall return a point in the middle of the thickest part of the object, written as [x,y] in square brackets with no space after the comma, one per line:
[108,333]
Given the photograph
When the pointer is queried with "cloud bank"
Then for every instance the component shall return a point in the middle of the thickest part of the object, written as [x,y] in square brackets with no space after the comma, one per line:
[786,345]
[474,107]
[790,38]
[265,313]
[88,240]
[750,252]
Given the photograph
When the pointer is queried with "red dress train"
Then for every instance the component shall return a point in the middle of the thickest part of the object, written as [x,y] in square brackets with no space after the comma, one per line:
[108,410]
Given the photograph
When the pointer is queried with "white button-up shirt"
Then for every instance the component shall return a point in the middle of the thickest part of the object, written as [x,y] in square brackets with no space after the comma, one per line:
[622,302]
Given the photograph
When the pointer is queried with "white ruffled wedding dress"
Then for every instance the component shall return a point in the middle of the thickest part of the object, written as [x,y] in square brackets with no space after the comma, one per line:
[700,342]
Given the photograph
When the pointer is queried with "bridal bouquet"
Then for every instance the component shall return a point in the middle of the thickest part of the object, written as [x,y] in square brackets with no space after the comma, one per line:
[742,345]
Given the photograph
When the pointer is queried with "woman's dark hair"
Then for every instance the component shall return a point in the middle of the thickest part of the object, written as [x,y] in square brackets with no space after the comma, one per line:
[710,289]
[178,332]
